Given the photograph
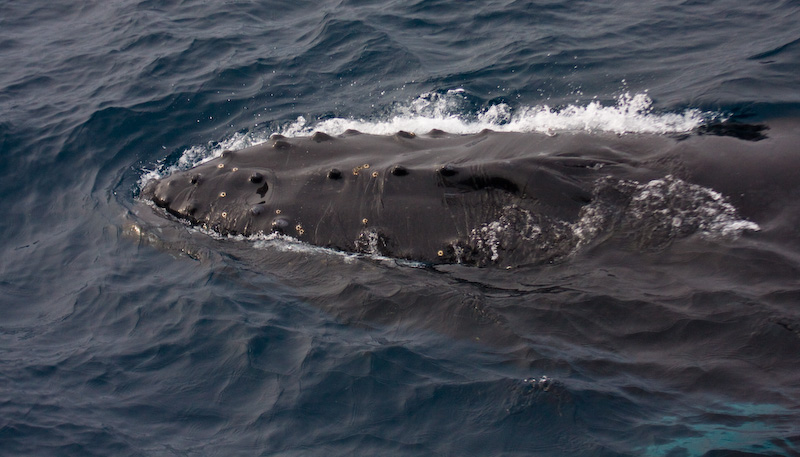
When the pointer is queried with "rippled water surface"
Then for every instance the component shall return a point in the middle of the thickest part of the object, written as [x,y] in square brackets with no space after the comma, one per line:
[125,332]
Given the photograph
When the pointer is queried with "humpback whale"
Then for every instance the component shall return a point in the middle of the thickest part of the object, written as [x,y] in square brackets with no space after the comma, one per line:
[488,198]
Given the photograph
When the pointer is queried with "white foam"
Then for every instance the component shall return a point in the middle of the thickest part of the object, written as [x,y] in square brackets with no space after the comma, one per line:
[657,213]
[450,112]
[678,206]
[285,243]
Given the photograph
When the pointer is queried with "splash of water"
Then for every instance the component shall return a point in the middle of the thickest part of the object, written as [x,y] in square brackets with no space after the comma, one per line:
[449,112]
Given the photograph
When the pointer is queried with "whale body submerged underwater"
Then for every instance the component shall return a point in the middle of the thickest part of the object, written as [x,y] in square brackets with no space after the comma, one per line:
[490,198]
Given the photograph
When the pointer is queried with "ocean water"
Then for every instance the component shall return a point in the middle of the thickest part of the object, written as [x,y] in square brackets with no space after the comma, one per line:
[124,332]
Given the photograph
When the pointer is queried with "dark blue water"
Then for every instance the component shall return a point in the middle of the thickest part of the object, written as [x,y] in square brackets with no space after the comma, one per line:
[124,333]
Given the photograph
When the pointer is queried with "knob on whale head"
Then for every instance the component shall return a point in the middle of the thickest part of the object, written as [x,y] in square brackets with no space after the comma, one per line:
[216,194]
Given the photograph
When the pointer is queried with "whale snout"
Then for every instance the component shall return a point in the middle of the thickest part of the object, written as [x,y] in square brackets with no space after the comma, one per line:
[214,194]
